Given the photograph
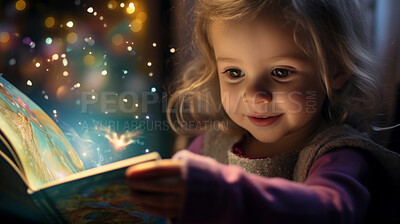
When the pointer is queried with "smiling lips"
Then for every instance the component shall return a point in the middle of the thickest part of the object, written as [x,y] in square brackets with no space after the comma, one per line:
[263,121]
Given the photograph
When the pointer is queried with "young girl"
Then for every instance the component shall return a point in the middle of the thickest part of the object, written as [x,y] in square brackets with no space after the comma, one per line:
[297,88]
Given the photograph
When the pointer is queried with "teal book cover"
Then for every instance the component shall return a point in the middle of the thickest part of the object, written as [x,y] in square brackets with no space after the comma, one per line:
[44,179]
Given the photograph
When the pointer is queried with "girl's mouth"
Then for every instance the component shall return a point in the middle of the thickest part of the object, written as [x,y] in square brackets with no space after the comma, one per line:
[264,121]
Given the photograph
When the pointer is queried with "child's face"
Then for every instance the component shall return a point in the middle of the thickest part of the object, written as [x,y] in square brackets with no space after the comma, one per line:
[268,85]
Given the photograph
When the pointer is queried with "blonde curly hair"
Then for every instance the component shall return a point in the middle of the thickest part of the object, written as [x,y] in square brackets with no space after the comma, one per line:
[332,33]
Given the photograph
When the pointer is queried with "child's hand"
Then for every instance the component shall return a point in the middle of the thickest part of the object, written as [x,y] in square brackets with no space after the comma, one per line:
[157,187]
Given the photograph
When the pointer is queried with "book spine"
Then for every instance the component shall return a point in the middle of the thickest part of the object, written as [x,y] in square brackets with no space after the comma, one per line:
[46,206]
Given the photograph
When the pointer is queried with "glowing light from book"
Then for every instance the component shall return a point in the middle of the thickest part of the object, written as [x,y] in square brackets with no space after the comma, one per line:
[70,24]
[118,142]
[20,5]
[37,64]
[29,83]
[131,8]
[49,22]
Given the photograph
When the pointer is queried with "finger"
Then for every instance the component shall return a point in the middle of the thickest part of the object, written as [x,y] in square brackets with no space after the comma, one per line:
[159,185]
[160,201]
[164,167]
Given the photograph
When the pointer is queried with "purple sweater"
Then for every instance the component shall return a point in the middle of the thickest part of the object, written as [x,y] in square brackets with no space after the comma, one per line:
[334,192]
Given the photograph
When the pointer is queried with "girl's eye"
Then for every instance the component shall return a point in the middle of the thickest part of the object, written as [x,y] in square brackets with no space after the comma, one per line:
[234,73]
[281,73]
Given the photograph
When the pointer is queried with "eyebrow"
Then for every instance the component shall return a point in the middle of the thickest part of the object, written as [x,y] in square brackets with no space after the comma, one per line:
[227,59]
[297,57]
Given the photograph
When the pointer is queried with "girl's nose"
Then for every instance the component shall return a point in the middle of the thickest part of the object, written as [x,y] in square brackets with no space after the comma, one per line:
[257,94]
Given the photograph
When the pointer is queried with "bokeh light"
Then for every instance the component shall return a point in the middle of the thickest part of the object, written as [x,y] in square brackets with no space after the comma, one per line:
[112,4]
[20,5]
[89,60]
[4,37]
[72,37]
[136,25]
[49,22]
[131,8]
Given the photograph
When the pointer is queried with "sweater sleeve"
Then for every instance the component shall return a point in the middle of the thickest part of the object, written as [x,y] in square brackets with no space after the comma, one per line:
[332,193]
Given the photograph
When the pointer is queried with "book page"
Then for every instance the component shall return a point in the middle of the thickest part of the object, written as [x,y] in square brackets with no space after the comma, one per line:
[42,149]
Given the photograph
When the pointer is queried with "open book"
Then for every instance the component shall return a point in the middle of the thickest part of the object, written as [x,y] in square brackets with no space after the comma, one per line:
[42,177]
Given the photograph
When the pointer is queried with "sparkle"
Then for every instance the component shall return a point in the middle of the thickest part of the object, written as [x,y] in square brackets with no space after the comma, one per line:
[153,90]
[154,44]
[93,97]
[37,64]
[129,48]
[54,57]
[149,64]
[46,97]
[49,40]
[147,150]
[70,24]
[172,50]
[54,111]
[147,117]
[125,100]
[12,61]
[90,10]
[122,5]
[136,117]
[104,72]
[151,74]
[136,105]
[29,83]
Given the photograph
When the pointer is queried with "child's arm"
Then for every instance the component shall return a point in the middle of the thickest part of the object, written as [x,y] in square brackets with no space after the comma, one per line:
[332,193]
[216,193]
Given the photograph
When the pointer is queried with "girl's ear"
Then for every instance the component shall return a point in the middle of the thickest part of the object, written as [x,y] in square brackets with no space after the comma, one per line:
[339,80]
